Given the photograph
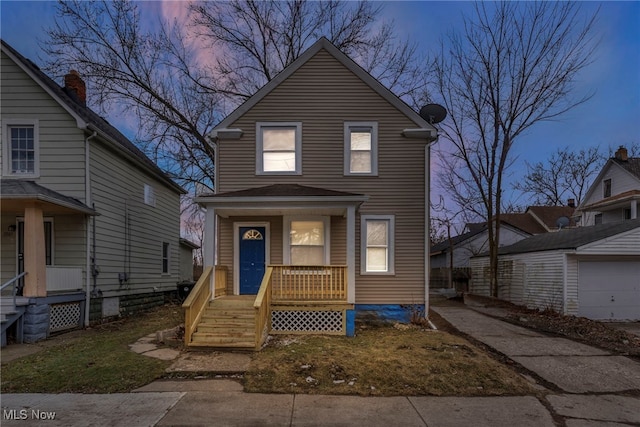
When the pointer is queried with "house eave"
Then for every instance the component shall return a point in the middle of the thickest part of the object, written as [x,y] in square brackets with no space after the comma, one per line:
[224,134]
[429,135]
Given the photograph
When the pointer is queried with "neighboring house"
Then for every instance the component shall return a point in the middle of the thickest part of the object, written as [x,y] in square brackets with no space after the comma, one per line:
[590,271]
[320,199]
[615,193]
[86,215]
[187,260]
[514,227]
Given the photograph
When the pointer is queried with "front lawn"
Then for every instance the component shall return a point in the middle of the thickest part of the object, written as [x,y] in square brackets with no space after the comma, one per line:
[381,361]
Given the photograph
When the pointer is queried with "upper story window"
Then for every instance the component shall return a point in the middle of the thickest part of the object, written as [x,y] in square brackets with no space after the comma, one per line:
[21,148]
[165,257]
[606,188]
[279,148]
[378,246]
[149,195]
[361,148]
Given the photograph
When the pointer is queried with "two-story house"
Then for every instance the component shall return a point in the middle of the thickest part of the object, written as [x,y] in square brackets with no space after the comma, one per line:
[90,225]
[320,202]
[615,193]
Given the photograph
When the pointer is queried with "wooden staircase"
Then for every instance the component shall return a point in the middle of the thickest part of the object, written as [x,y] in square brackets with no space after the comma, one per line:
[227,322]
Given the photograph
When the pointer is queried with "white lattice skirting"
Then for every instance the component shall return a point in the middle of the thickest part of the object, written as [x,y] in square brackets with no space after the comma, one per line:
[64,316]
[319,321]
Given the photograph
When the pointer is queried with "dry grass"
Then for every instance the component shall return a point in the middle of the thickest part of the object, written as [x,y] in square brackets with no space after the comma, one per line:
[381,361]
[97,360]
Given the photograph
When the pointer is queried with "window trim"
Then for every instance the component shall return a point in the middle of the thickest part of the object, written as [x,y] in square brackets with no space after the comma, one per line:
[260,151]
[8,123]
[286,235]
[168,258]
[391,269]
[373,127]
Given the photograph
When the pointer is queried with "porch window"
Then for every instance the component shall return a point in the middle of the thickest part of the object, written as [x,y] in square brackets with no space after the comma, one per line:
[21,148]
[279,147]
[377,236]
[361,148]
[307,243]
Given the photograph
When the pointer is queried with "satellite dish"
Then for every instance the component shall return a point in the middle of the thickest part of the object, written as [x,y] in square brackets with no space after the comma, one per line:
[562,222]
[433,113]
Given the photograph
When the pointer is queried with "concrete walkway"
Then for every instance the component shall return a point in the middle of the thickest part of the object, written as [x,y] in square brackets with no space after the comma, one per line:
[587,387]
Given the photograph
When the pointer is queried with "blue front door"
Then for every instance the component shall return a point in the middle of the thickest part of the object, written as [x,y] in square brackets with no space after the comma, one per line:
[252,259]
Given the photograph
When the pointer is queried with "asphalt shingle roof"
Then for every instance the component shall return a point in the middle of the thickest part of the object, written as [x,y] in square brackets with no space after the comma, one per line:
[20,189]
[569,238]
[632,164]
[284,190]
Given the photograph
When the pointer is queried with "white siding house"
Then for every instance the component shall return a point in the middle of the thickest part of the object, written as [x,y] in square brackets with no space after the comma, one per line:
[615,193]
[592,271]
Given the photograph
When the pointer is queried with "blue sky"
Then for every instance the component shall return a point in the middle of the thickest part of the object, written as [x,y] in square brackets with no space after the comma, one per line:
[610,118]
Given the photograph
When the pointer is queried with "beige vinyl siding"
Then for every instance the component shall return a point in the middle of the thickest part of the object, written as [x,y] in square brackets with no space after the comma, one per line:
[322,94]
[62,159]
[69,241]
[118,193]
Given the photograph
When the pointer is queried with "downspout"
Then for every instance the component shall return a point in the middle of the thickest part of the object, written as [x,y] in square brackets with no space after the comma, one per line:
[87,200]
[427,223]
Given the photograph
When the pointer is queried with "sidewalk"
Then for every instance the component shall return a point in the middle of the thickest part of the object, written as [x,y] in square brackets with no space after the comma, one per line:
[586,386]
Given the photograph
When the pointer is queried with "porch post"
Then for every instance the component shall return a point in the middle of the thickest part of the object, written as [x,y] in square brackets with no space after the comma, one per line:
[35,282]
[209,250]
[634,209]
[351,254]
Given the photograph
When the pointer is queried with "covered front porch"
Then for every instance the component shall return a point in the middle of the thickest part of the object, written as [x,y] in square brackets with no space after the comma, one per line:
[291,246]
[44,260]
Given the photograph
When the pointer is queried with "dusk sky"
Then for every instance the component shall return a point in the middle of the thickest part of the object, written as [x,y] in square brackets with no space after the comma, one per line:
[610,118]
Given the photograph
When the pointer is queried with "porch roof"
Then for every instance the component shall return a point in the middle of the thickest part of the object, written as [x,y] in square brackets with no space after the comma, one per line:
[281,199]
[613,202]
[14,193]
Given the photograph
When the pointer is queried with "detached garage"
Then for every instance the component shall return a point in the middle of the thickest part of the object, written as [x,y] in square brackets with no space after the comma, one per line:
[592,272]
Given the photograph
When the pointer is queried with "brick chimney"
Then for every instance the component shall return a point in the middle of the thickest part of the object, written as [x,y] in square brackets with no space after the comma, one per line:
[571,203]
[622,154]
[75,87]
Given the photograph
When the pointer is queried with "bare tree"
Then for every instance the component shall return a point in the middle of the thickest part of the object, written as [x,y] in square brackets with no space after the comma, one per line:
[152,72]
[513,66]
[566,174]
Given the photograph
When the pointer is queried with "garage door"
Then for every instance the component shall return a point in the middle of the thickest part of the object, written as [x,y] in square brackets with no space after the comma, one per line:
[609,290]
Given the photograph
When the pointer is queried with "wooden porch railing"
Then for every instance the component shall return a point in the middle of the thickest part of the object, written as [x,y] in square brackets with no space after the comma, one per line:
[262,305]
[221,281]
[309,283]
[200,296]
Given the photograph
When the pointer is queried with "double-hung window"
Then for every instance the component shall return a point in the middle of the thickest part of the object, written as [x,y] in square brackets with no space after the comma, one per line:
[377,250]
[165,257]
[279,148]
[606,188]
[307,242]
[361,148]
[20,148]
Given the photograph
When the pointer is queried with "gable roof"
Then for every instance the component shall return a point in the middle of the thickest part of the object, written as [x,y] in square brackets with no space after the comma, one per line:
[524,222]
[548,215]
[570,238]
[474,230]
[630,166]
[324,43]
[87,119]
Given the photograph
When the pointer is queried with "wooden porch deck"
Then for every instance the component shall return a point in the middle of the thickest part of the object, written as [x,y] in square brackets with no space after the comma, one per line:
[244,321]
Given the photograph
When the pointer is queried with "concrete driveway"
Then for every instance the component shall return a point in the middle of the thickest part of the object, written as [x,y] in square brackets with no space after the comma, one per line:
[590,384]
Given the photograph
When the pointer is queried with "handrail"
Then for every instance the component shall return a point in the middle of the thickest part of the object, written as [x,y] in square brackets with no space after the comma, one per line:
[262,305]
[14,280]
[195,303]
